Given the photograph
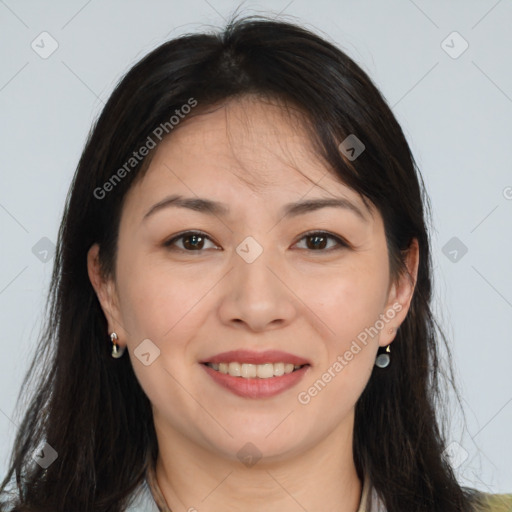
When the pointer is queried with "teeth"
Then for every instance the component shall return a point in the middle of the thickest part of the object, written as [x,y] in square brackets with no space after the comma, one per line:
[251,371]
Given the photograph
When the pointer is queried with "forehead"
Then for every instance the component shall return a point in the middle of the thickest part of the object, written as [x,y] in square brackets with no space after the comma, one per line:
[244,148]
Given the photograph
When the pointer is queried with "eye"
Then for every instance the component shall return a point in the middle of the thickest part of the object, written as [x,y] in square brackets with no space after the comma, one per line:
[319,239]
[193,241]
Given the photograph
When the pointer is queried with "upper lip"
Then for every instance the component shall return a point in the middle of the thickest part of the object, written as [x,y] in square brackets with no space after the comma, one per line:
[251,357]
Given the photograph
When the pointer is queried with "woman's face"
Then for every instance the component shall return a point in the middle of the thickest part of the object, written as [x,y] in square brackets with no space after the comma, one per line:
[253,281]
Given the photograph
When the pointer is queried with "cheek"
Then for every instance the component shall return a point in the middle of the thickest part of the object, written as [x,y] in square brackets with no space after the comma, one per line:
[154,298]
[350,299]
[349,303]
[350,309]
[157,308]
[333,392]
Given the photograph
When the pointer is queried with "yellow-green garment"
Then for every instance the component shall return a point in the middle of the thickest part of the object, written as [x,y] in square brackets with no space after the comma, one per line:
[498,503]
[371,502]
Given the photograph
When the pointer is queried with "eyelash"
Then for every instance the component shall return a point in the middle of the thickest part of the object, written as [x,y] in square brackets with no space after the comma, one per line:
[341,243]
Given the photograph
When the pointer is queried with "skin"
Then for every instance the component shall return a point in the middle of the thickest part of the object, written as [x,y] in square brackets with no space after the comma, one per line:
[310,302]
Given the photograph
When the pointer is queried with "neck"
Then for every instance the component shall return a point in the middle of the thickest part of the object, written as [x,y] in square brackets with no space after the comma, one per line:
[321,478]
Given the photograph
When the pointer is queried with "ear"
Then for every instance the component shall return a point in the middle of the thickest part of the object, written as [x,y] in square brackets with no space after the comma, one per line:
[107,294]
[400,295]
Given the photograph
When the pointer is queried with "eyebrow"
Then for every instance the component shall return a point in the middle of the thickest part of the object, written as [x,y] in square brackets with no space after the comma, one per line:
[210,207]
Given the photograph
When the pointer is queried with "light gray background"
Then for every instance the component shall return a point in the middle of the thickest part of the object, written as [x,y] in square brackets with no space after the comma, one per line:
[456,113]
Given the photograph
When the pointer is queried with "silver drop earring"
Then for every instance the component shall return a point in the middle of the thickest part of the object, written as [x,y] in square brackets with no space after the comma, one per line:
[383,360]
[117,351]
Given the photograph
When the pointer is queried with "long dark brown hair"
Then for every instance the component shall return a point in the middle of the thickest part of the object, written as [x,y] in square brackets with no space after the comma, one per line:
[90,407]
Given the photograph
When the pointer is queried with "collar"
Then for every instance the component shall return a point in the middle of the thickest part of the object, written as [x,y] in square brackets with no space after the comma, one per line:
[367,497]
[155,488]
[364,505]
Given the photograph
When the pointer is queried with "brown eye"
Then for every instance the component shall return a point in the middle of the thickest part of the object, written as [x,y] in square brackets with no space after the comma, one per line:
[318,240]
[194,241]
[191,241]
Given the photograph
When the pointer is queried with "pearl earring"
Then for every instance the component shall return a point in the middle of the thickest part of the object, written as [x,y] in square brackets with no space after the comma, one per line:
[117,351]
[383,360]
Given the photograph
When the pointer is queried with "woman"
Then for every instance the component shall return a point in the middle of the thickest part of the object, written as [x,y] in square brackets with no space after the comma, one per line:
[240,305]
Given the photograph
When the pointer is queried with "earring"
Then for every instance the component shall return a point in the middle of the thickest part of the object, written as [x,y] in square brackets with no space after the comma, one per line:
[383,360]
[117,351]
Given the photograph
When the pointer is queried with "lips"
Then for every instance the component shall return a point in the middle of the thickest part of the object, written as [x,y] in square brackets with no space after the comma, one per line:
[251,357]
[257,388]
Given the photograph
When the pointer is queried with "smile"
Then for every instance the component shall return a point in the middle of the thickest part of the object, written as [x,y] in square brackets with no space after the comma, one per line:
[251,371]
[256,380]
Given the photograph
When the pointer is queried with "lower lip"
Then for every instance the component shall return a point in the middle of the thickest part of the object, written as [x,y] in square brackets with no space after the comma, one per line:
[256,388]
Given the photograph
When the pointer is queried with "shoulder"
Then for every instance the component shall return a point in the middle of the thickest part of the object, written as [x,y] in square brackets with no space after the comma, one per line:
[142,500]
[498,502]
[493,502]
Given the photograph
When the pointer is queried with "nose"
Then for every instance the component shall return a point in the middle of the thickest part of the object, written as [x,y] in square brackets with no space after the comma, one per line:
[256,295]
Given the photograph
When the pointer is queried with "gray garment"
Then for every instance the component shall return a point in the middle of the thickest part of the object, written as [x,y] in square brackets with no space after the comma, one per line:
[143,501]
